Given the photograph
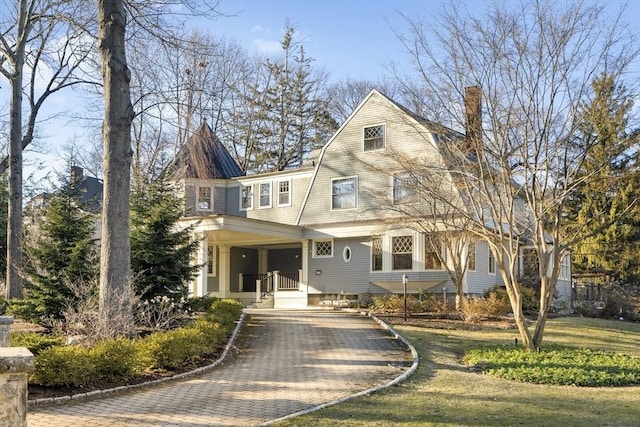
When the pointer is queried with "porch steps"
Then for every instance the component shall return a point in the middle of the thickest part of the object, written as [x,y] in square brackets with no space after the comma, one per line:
[265,302]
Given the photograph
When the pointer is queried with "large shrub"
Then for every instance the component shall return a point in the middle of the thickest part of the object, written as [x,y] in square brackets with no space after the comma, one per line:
[225,312]
[64,366]
[35,342]
[530,301]
[476,309]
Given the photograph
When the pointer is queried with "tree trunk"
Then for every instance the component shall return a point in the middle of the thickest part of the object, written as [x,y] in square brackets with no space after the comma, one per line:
[115,257]
[13,286]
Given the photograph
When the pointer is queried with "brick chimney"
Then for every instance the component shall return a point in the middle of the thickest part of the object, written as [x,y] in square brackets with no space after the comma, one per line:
[76,174]
[473,114]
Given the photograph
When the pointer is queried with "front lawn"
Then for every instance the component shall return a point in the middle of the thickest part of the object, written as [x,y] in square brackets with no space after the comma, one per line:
[444,391]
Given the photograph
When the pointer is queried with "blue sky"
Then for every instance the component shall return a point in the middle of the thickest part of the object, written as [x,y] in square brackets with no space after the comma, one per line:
[352,38]
[347,38]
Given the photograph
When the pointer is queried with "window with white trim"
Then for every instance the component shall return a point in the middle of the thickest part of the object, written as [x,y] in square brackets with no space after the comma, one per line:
[471,256]
[405,188]
[284,193]
[433,253]
[402,252]
[323,248]
[211,260]
[265,195]
[565,268]
[346,254]
[205,198]
[246,197]
[376,253]
[344,193]
[373,137]
[492,263]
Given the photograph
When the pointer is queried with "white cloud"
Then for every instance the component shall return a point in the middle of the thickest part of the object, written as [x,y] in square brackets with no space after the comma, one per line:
[266,47]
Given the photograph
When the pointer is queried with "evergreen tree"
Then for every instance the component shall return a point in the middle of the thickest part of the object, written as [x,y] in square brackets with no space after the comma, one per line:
[284,113]
[161,254]
[609,239]
[62,252]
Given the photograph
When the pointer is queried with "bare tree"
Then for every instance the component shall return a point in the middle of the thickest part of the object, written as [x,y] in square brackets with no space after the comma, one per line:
[517,166]
[345,95]
[36,40]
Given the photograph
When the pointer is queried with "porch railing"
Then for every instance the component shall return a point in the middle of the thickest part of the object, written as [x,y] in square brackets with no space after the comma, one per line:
[278,281]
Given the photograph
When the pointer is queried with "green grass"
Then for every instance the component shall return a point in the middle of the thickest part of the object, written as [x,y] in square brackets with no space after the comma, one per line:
[444,392]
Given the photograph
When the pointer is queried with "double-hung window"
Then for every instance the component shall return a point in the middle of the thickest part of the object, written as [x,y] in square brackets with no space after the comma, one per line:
[405,188]
[284,193]
[402,252]
[433,254]
[344,193]
[246,197]
[471,256]
[265,195]
[492,263]
[373,137]
[211,260]
[376,253]
[205,199]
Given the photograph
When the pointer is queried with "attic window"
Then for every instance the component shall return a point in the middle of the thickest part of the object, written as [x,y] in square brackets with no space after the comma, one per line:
[374,138]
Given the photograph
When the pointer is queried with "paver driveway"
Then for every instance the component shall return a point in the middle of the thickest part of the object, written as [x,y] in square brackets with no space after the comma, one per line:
[287,361]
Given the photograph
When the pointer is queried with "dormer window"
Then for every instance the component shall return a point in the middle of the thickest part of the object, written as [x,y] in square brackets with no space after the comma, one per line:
[374,138]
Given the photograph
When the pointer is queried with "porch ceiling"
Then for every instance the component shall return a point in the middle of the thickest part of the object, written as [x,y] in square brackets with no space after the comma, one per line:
[239,231]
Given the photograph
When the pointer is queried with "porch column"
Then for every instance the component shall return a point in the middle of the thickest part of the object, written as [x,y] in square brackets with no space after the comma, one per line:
[263,261]
[305,262]
[200,282]
[224,274]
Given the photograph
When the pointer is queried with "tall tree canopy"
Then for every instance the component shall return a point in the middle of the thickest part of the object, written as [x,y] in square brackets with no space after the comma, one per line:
[534,63]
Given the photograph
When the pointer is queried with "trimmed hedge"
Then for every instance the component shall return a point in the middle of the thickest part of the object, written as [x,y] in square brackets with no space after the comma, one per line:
[35,342]
[124,358]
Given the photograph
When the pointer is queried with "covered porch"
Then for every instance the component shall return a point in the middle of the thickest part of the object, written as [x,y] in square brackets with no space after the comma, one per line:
[256,262]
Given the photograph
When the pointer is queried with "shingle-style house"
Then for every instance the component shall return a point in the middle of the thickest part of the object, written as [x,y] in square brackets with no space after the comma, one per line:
[317,234]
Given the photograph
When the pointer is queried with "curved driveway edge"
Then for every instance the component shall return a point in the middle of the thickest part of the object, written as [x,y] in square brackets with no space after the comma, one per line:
[397,380]
[286,362]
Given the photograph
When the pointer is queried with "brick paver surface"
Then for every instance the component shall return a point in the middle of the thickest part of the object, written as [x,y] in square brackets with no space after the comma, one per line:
[287,361]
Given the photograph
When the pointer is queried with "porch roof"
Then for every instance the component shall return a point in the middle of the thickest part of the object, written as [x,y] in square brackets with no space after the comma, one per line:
[238,231]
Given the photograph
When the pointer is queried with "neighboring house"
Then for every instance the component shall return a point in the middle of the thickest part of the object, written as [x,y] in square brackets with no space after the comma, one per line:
[89,190]
[318,234]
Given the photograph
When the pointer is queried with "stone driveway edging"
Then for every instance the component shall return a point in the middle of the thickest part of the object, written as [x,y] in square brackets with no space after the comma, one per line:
[97,393]
[397,380]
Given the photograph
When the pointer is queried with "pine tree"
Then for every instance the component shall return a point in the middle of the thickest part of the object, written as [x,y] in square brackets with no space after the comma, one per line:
[284,113]
[161,254]
[608,238]
[63,252]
